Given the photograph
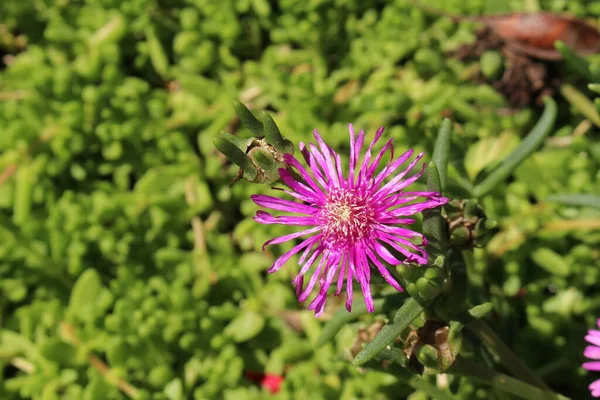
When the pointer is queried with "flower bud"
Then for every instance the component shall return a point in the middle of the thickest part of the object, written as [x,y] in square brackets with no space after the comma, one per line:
[468,224]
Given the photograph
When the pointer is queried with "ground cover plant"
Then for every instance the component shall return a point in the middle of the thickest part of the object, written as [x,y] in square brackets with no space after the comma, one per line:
[132,267]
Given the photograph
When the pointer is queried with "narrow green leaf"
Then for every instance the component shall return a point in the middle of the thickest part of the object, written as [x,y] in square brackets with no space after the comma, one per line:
[489,151]
[525,149]
[248,119]
[551,261]
[245,326]
[84,296]
[158,56]
[441,150]
[274,137]
[404,316]
[594,87]
[264,160]
[470,315]
[434,226]
[579,64]
[507,358]
[581,200]
[581,103]
[225,143]
[56,350]
[394,355]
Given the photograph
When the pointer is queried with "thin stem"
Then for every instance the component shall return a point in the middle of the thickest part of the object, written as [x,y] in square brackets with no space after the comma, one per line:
[506,356]
[99,365]
[502,382]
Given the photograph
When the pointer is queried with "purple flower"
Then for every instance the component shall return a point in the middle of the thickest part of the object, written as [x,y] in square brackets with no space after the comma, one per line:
[353,222]
[593,353]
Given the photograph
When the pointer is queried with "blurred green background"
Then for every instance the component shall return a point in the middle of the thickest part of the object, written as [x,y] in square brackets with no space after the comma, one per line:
[130,269]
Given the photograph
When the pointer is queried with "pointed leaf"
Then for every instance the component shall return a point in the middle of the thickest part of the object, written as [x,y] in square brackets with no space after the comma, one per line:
[579,64]
[388,334]
[434,226]
[274,137]
[226,144]
[248,119]
[245,326]
[85,294]
[489,151]
[441,150]
[581,103]
[581,199]
[525,149]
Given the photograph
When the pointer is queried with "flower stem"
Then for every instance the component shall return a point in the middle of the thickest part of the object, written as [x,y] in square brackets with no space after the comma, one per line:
[506,356]
[502,382]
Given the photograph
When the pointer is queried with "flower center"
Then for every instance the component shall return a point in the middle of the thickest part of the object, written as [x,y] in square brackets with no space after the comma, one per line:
[345,218]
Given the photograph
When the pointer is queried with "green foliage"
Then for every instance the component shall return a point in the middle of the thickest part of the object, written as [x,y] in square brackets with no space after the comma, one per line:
[130,269]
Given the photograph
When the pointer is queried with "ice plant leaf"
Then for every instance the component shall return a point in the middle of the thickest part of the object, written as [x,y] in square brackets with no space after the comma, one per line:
[352,223]
[265,161]
[578,63]
[579,199]
[525,149]
[434,226]
[404,316]
[581,103]
[394,355]
[248,119]
[227,144]
[442,150]
[158,57]
[273,136]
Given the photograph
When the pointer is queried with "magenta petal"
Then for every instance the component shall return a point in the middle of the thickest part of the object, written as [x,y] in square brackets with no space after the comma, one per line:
[310,262]
[291,160]
[389,169]
[341,276]
[287,255]
[355,225]
[318,304]
[595,388]
[591,365]
[282,205]
[592,338]
[264,217]
[282,239]
[313,166]
[313,280]
[300,190]
[349,280]
[592,352]
[382,269]
[419,207]
[397,183]
[327,152]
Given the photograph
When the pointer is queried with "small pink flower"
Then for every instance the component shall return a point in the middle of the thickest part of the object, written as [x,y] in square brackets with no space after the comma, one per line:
[352,221]
[593,353]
